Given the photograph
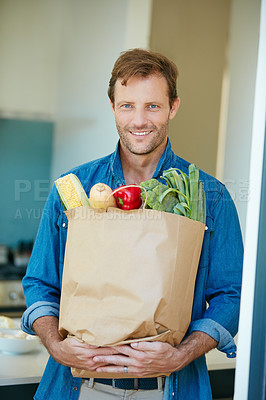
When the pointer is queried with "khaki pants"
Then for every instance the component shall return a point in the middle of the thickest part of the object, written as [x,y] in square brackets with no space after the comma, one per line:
[98,391]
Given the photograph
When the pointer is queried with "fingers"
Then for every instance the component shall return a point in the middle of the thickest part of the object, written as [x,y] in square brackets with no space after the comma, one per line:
[132,358]
[114,369]
[80,355]
[114,359]
[116,365]
[142,358]
[152,347]
[130,350]
[88,348]
[140,352]
[79,343]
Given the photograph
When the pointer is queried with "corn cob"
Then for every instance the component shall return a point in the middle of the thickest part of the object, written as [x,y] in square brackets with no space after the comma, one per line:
[71,192]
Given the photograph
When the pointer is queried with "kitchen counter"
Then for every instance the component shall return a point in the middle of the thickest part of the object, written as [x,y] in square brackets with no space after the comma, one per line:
[20,369]
[28,368]
[20,374]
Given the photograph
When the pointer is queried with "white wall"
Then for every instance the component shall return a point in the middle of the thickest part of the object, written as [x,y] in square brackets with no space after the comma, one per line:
[139,15]
[236,117]
[240,152]
[250,274]
[30,32]
[194,34]
[94,35]
[237,112]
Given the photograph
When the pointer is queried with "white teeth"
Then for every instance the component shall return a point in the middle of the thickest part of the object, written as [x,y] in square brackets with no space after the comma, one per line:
[141,133]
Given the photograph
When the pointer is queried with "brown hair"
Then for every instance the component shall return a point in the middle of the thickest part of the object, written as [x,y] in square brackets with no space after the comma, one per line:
[139,62]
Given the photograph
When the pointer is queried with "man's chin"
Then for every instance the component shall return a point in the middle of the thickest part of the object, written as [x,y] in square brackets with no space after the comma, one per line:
[141,151]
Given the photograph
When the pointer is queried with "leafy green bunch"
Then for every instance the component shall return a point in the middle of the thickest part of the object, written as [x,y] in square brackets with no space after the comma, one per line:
[183,194]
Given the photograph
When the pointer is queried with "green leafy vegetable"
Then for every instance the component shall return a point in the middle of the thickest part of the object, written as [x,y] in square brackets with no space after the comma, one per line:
[155,199]
[183,195]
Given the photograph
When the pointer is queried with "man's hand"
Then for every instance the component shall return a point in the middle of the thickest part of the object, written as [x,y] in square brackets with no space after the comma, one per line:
[148,358]
[69,351]
[72,353]
[142,359]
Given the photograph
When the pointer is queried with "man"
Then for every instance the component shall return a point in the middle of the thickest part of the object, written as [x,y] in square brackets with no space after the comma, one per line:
[142,92]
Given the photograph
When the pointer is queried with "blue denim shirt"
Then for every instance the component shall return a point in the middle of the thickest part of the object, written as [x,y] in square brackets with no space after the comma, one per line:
[218,279]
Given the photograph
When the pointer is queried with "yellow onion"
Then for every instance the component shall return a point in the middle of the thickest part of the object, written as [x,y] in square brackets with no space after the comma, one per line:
[99,193]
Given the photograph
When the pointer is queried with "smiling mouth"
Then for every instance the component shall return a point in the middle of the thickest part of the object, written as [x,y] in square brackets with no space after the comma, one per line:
[143,133]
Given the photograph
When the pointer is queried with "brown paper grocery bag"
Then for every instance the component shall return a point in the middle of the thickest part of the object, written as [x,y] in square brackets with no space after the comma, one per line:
[128,276]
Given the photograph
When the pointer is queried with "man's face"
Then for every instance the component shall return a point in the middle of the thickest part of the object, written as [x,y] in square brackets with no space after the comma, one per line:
[142,113]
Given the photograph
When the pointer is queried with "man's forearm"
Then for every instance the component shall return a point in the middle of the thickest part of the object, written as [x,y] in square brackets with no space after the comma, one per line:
[170,359]
[47,329]
[194,346]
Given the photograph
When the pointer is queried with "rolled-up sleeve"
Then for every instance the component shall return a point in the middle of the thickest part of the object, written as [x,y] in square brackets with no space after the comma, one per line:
[37,310]
[223,282]
[225,340]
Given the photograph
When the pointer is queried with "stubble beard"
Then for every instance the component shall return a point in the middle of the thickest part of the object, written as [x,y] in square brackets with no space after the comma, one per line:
[157,136]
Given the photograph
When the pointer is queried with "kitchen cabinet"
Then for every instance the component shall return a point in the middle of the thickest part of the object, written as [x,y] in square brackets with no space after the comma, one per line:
[221,373]
[21,392]
[25,163]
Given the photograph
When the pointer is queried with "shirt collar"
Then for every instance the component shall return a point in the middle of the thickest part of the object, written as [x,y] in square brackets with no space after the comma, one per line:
[165,160]
[164,163]
[116,167]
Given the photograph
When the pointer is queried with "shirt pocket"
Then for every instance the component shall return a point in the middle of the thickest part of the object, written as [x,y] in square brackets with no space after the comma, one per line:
[205,252]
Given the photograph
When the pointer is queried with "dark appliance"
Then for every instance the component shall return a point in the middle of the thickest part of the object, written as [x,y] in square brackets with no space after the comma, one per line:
[12,300]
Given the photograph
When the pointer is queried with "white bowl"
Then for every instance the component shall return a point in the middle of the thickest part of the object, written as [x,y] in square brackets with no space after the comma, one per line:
[14,341]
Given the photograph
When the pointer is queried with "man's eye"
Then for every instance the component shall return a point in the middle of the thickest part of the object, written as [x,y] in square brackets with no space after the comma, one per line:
[153,106]
[127,106]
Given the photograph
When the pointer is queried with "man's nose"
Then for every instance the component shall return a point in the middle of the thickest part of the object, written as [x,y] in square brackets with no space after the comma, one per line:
[140,118]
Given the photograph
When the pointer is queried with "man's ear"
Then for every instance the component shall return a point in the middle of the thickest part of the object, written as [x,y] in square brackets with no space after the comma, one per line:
[112,106]
[174,108]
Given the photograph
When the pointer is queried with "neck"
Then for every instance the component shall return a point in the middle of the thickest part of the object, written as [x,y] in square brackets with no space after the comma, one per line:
[138,168]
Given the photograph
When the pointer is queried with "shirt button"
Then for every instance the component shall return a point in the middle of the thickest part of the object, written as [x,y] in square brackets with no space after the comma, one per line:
[64,224]
[75,388]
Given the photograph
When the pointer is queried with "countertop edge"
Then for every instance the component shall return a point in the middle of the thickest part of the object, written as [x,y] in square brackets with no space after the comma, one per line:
[19,381]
